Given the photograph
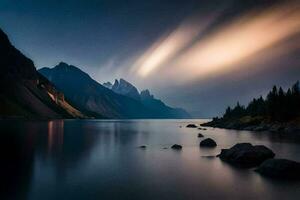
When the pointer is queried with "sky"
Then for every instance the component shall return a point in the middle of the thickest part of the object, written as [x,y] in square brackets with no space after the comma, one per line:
[202,55]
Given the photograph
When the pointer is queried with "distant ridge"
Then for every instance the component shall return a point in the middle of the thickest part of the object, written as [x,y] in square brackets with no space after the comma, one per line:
[118,100]
[147,99]
[92,97]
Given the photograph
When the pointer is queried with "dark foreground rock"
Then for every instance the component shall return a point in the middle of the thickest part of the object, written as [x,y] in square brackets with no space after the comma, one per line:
[280,168]
[200,135]
[191,126]
[208,143]
[246,155]
[176,146]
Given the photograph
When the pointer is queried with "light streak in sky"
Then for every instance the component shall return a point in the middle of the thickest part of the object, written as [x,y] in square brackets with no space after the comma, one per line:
[183,56]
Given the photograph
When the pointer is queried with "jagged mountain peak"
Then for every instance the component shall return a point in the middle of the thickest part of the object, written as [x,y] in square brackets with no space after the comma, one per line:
[125,88]
[108,85]
[145,94]
[147,99]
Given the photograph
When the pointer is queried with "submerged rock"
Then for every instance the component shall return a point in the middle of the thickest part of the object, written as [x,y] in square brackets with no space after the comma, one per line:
[176,146]
[280,168]
[191,126]
[246,155]
[208,142]
[200,135]
[208,157]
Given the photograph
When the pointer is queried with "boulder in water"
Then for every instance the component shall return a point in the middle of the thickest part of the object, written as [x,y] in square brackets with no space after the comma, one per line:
[246,155]
[280,168]
[191,126]
[200,135]
[208,142]
[176,146]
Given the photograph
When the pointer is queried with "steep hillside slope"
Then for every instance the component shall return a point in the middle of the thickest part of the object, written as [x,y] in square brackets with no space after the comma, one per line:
[24,93]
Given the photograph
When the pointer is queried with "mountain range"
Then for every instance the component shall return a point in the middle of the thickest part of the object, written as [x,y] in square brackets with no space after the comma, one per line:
[65,91]
[118,100]
[147,99]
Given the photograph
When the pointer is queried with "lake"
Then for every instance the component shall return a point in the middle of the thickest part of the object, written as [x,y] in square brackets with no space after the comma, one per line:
[100,159]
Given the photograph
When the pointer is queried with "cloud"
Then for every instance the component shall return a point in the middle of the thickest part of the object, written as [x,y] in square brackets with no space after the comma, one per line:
[245,39]
[168,47]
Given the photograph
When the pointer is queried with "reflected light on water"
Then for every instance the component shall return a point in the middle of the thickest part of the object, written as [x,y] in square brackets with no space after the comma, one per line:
[55,134]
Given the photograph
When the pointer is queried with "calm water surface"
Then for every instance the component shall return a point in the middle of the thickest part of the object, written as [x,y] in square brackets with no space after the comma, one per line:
[94,159]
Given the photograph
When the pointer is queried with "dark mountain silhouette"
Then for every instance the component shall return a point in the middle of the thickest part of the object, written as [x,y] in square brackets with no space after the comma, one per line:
[24,92]
[92,97]
[121,101]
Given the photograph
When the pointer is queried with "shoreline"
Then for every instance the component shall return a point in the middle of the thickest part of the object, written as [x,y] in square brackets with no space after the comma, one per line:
[255,124]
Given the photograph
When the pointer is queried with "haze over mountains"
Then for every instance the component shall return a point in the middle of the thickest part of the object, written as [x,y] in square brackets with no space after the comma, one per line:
[147,99]
[121,100]
[67,92]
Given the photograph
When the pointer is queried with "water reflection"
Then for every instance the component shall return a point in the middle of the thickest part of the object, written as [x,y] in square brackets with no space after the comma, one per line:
[90,159]
[17,156]
[55,135]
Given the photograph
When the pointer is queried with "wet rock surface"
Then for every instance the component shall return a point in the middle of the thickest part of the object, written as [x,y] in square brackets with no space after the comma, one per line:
[191,126]
[280,169]
[208,142]
[200,135]
[176,146]
[246,155]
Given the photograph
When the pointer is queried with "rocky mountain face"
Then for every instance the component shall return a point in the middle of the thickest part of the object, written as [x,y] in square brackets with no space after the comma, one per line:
[108,85]
[24,93]
[92,97]
[147,99]
[125,88]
